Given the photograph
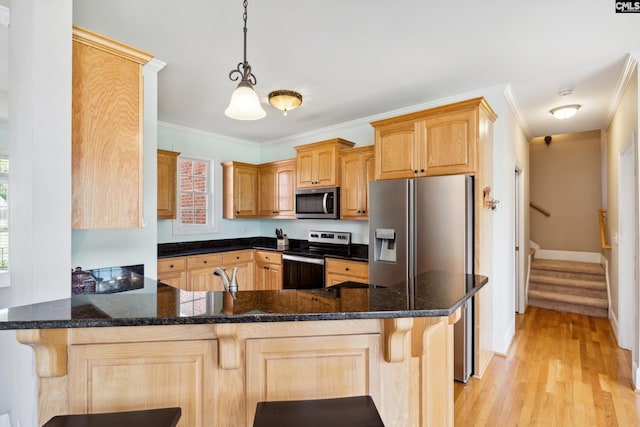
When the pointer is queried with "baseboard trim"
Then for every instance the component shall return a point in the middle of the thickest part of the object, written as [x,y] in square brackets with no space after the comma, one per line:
[635,373]
[614,325]
[594,257]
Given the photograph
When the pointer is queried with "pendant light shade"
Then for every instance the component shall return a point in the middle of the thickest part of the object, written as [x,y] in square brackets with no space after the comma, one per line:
[245,104]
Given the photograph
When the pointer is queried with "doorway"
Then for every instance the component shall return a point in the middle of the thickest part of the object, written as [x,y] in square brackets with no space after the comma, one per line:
[520,251]
[628,295]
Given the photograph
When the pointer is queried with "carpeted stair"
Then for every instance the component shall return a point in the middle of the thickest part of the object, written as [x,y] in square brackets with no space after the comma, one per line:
[576,287]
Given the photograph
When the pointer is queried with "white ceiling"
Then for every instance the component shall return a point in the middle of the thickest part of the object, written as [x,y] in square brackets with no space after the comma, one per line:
[353,59]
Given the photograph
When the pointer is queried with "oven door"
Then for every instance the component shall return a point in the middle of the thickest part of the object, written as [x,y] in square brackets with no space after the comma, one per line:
[300,272]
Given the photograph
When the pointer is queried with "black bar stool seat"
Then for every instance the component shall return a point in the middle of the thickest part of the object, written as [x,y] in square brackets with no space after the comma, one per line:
[357,411]
[163,417]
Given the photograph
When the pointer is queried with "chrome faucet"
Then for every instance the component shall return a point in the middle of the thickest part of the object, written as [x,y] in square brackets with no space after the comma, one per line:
[230,284]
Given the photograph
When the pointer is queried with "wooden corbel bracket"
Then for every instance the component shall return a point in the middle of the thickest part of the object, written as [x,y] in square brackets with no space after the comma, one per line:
[50,348]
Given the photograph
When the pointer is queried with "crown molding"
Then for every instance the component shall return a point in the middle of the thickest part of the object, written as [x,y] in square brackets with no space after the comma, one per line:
[411,109]
[155,65]
[515,108]
[217,136]
[630,66]
[5,16]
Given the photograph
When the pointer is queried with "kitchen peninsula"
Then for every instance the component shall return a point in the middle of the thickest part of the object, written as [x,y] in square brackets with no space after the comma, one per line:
[216,354]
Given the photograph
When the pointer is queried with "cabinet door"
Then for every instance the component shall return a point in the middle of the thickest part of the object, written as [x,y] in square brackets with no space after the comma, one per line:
[306,177]
[285,189]
[135,376]
[245,192]
[310,368]
[201,268]
[451,143]
[350,200]
[173,272]
[167,170]
[244,261]
[107,160]
[267,194]
[370,173]
[325,167]
[395,151]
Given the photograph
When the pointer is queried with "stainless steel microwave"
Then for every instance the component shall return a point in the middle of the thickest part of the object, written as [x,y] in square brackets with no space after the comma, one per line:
[318,203]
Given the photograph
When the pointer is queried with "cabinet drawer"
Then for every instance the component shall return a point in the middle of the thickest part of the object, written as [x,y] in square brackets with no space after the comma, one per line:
[172,264]
[268,257]
[204,261]
[351,268]
[237,257]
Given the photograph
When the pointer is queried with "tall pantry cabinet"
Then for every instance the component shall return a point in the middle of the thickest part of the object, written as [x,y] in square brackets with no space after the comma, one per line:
[107,126]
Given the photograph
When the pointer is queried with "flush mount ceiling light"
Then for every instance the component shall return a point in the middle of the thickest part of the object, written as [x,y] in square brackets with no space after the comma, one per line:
[565,111]
[245,104]
[285,100]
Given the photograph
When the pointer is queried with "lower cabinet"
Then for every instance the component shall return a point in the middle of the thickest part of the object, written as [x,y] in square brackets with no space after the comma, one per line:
[268,274]
[312,367]
[143,375]
[200,268]
[244,261]
[173,272]
[340,271]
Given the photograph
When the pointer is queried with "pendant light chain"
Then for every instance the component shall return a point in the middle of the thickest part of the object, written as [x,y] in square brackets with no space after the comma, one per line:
[244,69]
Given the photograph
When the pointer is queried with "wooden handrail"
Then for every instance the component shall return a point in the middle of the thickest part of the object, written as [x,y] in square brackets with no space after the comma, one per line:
[540,209]
[602,216]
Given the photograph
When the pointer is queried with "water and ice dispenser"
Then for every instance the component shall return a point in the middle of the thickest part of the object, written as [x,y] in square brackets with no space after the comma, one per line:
[385,245]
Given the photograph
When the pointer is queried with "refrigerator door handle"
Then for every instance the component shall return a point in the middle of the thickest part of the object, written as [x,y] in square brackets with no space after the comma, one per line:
[324,202]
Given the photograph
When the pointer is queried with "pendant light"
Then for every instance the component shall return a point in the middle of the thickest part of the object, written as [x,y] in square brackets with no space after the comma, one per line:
[245,104]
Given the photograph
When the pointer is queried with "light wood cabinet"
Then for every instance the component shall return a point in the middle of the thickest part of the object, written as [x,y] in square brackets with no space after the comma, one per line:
[244,261]
[439,141]
[268,274]
[240,188]
[195,272]
[107,124]
[318,164]
[167,180]
[340,270]
[200,268]
[358,169]
[143,375]
[173,272]
[277,185]
[300,368]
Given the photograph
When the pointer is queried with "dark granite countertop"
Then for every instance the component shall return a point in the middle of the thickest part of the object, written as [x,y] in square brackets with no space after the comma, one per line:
[358,252]
[436,294]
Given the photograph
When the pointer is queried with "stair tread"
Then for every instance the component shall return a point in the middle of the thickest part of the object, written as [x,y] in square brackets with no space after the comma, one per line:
[571,266]
[565,281]
[570,299]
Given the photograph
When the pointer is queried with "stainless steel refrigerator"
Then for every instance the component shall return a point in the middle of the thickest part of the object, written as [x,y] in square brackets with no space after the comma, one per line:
[419,225]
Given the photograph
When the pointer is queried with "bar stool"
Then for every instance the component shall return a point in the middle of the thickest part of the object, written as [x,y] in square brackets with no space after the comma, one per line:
[357,411]
[163,417]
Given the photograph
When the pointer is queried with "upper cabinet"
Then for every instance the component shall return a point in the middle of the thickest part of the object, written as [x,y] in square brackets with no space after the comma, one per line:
[167,178]
[276,189]
[358,167]
[318,164]
[240,183]
[438,141]
[107,123]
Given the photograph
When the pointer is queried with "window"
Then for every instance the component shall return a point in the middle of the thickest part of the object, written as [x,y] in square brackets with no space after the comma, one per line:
[195,196]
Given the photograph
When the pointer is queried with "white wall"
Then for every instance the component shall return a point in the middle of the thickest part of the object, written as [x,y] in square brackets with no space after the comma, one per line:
[40,156]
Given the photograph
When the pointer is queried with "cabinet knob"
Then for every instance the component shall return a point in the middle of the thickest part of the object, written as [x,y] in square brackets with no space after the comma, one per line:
[346,269]
[238,212]
[170,265]
[422,170]
[205,261]
[415,171]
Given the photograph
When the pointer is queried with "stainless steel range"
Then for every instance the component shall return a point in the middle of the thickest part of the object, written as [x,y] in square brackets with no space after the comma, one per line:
[304,268]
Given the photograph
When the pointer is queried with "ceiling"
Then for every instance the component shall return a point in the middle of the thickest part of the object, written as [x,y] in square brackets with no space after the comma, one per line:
[355,59]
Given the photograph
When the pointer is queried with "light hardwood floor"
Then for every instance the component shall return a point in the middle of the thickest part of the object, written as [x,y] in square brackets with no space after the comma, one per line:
[562,369]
